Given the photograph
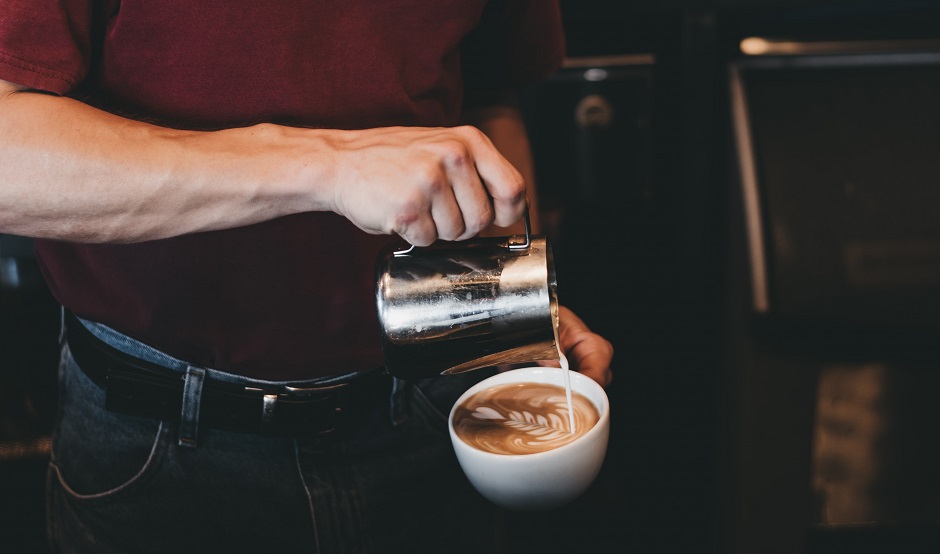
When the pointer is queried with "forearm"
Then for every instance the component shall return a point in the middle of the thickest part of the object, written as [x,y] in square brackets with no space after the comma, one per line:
[72,172]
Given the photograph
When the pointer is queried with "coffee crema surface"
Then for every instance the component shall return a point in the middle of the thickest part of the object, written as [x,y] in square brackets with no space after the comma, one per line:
[522,418]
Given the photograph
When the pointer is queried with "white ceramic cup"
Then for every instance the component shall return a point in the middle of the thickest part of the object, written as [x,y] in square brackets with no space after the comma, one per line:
[543,480]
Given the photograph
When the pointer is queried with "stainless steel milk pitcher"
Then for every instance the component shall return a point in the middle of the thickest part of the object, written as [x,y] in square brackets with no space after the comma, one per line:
[458,306]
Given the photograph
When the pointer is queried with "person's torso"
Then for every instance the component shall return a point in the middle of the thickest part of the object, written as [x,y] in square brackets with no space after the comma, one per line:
[290,298]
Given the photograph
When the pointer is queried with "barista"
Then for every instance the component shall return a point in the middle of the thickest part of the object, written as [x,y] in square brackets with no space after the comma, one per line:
[208,186]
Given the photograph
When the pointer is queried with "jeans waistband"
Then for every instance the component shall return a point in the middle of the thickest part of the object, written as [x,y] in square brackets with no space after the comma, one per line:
[141,380]
[138,349]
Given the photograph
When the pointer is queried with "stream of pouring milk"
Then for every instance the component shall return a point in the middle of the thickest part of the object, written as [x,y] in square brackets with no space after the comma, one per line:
[565,368]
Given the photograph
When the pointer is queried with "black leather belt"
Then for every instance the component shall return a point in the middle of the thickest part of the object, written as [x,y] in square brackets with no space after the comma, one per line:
[139,387]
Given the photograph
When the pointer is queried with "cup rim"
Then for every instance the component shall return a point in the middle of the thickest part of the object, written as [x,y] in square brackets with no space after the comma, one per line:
[575,376]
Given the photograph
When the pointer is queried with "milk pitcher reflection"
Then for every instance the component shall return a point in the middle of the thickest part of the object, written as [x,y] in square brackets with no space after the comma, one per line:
[455,307]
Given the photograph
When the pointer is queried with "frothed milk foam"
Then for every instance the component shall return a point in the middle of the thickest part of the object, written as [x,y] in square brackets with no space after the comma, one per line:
[523,418]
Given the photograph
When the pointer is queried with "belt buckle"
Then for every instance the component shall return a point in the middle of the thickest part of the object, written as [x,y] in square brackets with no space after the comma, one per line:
[275,401]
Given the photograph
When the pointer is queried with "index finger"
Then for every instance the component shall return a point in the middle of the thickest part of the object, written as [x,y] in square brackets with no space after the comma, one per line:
[502,181]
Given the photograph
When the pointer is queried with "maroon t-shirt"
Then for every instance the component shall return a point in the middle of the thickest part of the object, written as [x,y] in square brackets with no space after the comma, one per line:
[291,298]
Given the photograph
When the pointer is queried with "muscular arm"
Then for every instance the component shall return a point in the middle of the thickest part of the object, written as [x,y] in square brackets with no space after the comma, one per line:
[69,171]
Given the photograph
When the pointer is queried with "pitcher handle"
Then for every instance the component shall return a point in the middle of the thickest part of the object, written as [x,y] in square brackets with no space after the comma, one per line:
[528,233]
[512,244]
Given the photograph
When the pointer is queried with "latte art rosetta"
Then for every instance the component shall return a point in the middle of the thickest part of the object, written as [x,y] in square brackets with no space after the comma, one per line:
[522,418]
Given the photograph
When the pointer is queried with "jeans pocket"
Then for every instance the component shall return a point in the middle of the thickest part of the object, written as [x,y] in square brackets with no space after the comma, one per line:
[97,454]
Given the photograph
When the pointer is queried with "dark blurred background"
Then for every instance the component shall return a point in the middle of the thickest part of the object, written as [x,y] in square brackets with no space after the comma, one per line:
[742,196]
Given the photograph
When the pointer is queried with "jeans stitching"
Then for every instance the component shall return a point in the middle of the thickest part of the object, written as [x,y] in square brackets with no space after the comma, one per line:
[65,358]
[148,466]
[52,530]
[303,481]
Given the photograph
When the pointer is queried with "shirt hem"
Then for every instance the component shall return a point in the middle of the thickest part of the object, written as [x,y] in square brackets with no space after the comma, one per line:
[34,76]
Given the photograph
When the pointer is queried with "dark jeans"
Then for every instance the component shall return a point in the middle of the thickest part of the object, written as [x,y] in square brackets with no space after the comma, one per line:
[122,484]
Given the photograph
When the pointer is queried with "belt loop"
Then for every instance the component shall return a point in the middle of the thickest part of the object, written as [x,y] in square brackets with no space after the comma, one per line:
[192,396]
[61,326]
[398,405]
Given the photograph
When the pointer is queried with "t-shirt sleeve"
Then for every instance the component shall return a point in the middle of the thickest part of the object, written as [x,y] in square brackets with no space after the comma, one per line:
[45,44]
[517,42]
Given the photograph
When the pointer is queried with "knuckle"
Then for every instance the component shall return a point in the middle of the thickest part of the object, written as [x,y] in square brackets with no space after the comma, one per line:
[430,179]
[404,219]
[456,154]
[458,159]
[512,191]
[517,189]
[469,132]
[406,213]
